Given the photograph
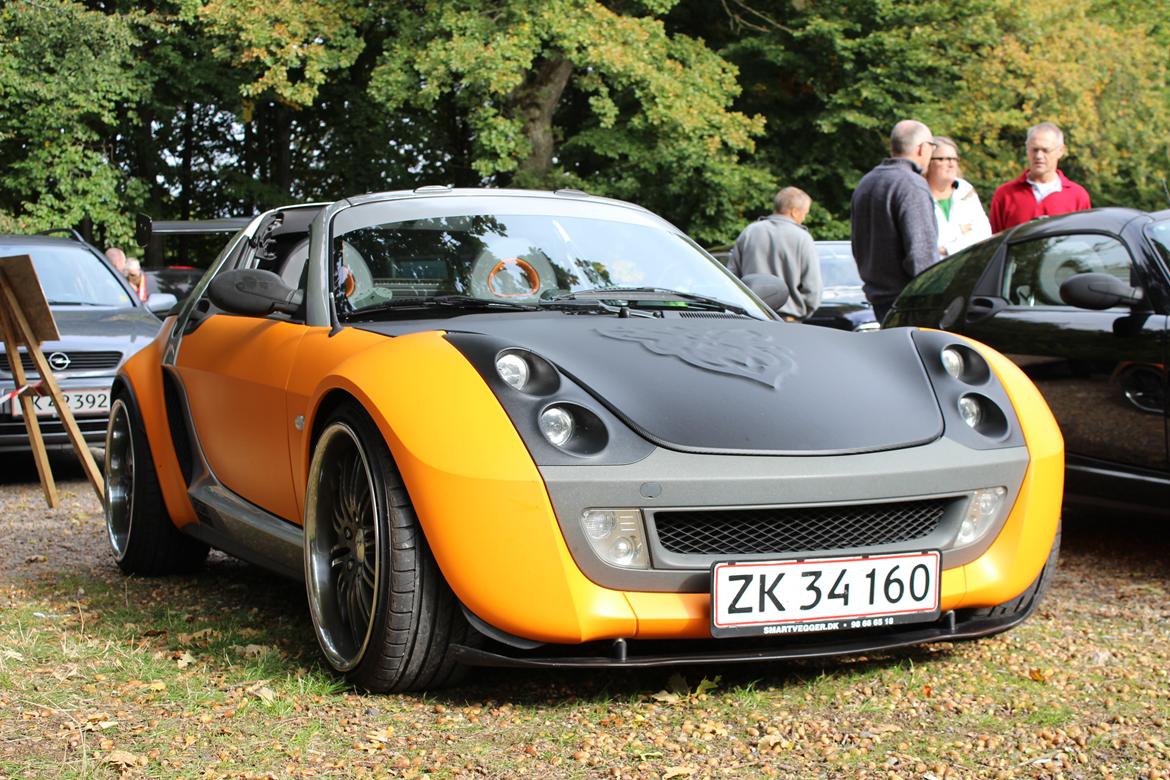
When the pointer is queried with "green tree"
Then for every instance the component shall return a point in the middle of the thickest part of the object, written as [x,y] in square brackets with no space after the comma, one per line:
[63,72]
[1097,71]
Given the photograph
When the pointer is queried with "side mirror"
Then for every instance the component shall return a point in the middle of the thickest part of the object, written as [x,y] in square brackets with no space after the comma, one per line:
[254,293]
[771,289]
[1098,291]
[160,303]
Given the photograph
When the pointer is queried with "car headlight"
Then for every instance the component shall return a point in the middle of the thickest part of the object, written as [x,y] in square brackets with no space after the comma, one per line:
[513,369]
[617,536]
[970,411]
[557,425]
[526,372]
[982,512]
[965,364]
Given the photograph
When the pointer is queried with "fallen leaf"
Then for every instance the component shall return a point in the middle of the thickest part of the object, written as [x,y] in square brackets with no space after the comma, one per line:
[262,692]
[706,685]
[666,697]
[183,660]
[35,559]
[678,771]
[1039,675]
[123,759]
[157,685]
[769,741]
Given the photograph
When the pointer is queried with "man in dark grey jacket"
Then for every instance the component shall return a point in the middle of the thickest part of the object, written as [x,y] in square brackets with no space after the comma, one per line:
[780,245]
[895,237]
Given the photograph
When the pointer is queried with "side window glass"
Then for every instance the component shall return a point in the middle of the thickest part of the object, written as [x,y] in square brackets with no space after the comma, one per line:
[1035,269]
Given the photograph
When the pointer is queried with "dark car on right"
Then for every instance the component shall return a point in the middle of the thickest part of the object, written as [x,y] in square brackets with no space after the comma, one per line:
[1080,302]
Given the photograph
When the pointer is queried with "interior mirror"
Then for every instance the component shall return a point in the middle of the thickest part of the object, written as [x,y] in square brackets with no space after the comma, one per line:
[253,292]
[1098,291]
[771,289]
[160,303]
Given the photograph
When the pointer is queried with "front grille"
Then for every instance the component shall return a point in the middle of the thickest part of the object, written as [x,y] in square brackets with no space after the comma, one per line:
[796,529]
[78,361]
[93,430]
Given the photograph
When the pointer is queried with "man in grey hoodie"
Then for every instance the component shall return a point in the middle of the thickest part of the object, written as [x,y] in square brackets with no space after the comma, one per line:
[780,245]
[895,237]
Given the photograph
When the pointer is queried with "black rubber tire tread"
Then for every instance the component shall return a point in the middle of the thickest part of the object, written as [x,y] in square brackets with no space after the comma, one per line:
[154,546]
[410,646]
[1032,594]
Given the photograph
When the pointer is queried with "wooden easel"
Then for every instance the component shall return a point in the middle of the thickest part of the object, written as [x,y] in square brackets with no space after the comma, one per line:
[25,319]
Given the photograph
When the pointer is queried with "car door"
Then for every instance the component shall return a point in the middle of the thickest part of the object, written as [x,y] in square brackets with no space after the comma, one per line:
[235,370]
[1102,372]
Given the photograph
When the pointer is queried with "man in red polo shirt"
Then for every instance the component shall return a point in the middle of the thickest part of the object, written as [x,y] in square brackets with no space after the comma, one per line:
[1042,190]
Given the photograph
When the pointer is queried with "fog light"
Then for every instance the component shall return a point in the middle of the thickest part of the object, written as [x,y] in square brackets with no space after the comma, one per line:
[982,512]
[953,362]
[513,369]
[971,410]
[617,537]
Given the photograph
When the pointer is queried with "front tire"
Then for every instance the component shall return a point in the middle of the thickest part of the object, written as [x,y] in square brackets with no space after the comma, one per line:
[382,612]
[142,536]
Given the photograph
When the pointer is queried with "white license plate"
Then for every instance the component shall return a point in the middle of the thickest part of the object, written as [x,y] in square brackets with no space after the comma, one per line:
[823,594]
[83,402]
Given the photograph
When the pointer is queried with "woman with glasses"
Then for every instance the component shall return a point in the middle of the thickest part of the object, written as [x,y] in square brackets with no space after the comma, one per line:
[960,216]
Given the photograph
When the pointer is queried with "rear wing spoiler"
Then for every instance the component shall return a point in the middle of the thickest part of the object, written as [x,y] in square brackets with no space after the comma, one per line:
[145,227]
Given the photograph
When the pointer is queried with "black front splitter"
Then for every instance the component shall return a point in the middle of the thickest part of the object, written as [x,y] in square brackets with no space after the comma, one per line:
[634,654]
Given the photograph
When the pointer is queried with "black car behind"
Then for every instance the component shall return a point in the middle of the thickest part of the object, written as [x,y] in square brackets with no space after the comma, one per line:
[1080,302]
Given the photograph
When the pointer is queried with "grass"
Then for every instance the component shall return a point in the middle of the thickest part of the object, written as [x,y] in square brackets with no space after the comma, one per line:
[218,676]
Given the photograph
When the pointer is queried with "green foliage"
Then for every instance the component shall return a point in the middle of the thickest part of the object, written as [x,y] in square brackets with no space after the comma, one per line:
[697,110]
[641,104]
[63,70]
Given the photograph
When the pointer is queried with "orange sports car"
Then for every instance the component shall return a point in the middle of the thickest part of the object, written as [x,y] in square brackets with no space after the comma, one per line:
[547,429]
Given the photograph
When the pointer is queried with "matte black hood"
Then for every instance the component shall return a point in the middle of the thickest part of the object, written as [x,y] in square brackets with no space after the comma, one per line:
[736,384]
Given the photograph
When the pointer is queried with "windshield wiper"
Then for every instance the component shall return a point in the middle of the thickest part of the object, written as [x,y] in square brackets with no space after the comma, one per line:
[657,294]
[458,302]
[72,303]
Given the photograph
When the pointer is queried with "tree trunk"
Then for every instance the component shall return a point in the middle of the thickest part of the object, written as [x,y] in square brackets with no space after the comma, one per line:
[537,100]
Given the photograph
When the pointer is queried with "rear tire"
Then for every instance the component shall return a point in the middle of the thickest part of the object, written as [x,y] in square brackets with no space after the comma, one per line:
[382,612]
[142,536]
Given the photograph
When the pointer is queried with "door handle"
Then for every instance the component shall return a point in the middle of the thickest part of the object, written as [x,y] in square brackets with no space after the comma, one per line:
[982,307]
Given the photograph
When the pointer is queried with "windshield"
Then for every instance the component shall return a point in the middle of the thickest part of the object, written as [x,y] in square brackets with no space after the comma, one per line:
[538,252]
[72,276]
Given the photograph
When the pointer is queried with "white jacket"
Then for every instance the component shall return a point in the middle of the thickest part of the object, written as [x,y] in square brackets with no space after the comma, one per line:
[968,222]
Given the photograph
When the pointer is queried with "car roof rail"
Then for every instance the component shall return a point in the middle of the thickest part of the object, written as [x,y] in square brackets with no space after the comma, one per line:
[145,227]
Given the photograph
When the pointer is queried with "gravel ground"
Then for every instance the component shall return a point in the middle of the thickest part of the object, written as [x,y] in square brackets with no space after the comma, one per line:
[1082,689]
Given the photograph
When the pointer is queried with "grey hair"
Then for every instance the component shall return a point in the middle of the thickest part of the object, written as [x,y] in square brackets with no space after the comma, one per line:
[942,140]
[791,198]
[906,136]
[1045,126]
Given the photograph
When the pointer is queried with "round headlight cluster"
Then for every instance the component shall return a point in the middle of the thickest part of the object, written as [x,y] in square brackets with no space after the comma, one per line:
[965,365]
[567,425]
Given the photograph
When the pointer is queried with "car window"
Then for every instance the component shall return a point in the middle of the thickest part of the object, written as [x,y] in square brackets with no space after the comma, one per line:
[1159,232]
[1035,269]
[74,276]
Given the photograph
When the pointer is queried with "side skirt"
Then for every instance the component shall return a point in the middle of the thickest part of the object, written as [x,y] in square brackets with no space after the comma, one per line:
[229,523]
